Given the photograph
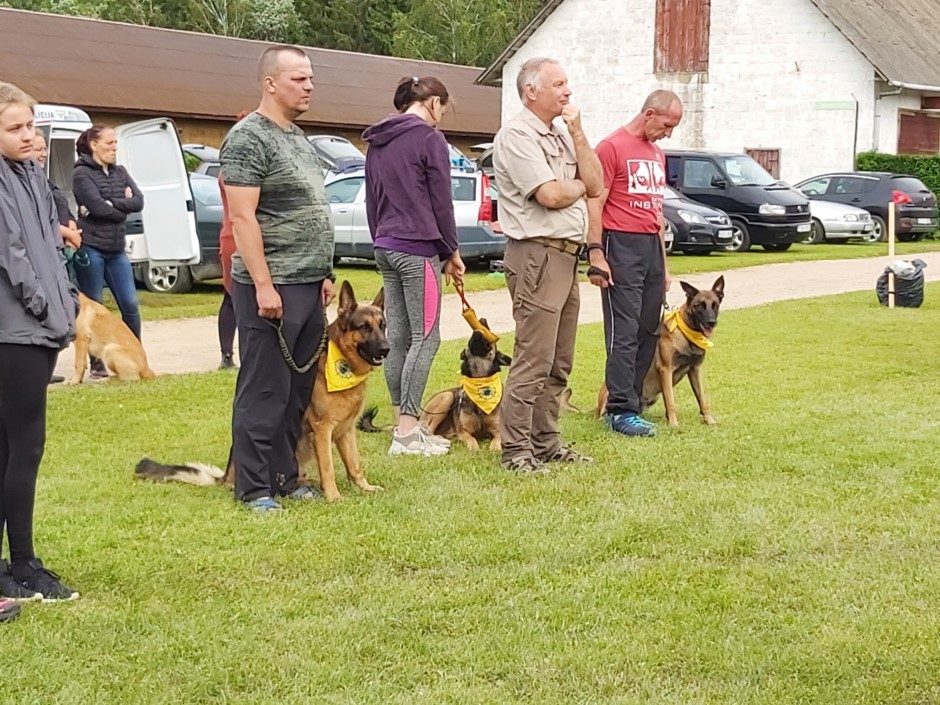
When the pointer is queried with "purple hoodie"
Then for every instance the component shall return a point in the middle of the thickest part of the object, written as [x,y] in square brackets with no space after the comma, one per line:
[409,202]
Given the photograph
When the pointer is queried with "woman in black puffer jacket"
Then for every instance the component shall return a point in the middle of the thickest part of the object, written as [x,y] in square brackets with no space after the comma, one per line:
[105,195]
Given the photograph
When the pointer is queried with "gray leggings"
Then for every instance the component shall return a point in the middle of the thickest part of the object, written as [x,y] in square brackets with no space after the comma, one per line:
[413,313]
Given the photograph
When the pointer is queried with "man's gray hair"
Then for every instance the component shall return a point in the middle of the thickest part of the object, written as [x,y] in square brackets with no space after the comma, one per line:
[530,74]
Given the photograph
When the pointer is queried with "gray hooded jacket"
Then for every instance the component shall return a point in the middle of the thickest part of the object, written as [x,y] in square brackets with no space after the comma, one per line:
[37,301]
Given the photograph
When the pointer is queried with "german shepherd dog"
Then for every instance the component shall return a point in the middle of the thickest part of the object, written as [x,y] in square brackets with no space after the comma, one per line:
[453,413]
[359,333]
[677,356]
[107,337]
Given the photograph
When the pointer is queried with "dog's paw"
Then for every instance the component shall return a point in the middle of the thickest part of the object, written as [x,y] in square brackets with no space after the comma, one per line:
[72,382]
[496,446]
[332,496]
[366,487]
[710,420]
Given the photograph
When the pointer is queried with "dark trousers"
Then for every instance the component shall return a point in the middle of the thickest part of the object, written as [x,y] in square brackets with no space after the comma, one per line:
[24,378]
[226,325]
[94,269]
[632,312]
[270,398]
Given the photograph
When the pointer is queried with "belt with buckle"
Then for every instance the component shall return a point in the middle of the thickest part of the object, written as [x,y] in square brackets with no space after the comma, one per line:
[570,246]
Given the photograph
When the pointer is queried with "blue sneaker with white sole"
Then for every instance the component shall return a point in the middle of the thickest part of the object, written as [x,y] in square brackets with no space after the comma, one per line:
[630,423]
[264,505]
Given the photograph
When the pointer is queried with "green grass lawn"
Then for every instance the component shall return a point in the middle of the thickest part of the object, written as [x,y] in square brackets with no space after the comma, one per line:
[788,556]
[205,299]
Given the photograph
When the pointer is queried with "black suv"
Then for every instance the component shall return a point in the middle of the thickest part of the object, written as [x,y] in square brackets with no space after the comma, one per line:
[871,190]
[763,210]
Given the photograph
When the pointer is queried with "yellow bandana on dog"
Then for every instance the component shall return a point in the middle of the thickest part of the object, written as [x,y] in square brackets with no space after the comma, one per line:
[339,374]
[674,320]
[485,392]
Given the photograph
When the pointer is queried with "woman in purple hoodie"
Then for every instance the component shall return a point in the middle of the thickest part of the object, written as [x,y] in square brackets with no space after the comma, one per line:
[410,209]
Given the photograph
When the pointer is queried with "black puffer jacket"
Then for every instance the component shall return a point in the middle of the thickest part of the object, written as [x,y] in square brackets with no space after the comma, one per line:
[103,206]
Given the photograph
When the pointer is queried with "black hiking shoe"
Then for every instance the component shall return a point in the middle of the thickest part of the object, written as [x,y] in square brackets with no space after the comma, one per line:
[35,576]
[12,588]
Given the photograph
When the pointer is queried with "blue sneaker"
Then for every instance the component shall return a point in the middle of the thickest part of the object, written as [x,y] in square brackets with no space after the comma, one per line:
[264,505]
[630,423]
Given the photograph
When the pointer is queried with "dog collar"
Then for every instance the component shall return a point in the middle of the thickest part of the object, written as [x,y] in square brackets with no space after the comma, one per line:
[485,392]
[674,320]
[339,374]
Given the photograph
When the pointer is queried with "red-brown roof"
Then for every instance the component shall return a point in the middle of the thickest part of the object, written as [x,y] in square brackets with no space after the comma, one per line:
[111,66]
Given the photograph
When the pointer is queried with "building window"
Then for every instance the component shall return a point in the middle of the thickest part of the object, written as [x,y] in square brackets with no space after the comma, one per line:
[918,133]
[682,33]
[767,158]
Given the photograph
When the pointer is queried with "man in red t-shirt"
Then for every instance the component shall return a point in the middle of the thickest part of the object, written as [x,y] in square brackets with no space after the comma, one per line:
[627,256]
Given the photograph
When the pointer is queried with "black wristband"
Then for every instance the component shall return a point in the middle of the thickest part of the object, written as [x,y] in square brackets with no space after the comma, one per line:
[594,246]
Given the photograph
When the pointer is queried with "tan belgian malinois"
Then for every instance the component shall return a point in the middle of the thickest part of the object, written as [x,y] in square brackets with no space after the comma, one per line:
[684,338]
[107,337]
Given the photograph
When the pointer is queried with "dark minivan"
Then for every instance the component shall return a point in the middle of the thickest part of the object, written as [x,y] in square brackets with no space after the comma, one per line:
[763,210]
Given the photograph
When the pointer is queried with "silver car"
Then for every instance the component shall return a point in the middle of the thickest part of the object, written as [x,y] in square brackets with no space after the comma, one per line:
[837,221]
[473,211]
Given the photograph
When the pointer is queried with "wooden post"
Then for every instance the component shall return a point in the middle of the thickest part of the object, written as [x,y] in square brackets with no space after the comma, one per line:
[891,252]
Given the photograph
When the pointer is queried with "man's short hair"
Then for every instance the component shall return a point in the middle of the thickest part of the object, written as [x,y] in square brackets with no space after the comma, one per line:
[269,63]
[660,101]
[530,73]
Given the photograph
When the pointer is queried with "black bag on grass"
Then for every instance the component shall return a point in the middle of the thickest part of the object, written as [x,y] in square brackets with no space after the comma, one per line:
[908,287]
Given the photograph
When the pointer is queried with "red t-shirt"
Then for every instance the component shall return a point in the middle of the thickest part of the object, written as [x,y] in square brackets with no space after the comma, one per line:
[635,177]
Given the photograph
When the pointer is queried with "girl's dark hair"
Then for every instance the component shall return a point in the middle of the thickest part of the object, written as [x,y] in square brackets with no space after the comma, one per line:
[414,89]
[92,134]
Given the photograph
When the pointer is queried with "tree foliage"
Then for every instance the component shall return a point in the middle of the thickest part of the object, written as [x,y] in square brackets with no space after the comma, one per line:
[471,32]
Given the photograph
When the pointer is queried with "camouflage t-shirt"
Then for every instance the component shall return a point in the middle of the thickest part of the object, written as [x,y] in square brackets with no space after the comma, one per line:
[293,211]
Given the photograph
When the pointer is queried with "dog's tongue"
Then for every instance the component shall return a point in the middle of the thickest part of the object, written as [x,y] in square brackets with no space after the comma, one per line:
[707,331]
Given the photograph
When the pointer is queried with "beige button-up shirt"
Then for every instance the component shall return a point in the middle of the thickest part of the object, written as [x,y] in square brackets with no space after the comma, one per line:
[526,154]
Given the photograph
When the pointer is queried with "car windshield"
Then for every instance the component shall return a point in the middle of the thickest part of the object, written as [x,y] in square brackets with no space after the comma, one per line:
[908,184]
[206,191]
[744,171]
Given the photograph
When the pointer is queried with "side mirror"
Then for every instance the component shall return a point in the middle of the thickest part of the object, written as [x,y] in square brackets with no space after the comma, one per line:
[335,199]
[718,181]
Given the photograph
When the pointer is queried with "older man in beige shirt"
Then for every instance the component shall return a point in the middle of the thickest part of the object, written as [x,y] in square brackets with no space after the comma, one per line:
[544,175]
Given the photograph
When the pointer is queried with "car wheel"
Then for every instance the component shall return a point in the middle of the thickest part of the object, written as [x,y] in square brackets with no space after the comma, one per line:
[167,279]
[777,246]
[817,233]
[880,233]
[670,243]
[740,237]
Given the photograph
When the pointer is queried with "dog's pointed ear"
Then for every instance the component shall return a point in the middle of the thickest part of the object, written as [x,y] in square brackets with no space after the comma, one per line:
[719,287]
[379,300]
[502,359]
[347,299]
[689,290]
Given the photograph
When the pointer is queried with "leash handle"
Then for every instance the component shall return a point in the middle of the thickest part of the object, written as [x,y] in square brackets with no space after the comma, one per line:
[463,297]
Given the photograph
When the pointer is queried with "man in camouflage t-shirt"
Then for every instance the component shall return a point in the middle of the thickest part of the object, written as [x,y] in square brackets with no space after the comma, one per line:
[282,270]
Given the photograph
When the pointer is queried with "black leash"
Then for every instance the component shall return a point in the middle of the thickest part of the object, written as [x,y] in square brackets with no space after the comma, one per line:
[278,325]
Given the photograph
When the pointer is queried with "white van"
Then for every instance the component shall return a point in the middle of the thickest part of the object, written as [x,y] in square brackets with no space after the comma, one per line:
[150,151]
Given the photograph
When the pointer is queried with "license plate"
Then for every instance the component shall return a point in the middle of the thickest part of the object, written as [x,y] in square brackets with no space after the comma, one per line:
[803,228]
[725,234]
[924,221]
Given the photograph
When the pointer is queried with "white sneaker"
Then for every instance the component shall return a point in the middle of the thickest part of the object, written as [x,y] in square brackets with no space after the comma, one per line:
[434,439]
[415,443]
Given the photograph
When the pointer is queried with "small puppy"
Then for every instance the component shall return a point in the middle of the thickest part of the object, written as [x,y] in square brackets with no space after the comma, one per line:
[684,338]
[107,337]
[470,412]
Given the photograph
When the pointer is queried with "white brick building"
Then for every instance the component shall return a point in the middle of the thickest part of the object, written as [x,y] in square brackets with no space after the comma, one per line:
[808,83]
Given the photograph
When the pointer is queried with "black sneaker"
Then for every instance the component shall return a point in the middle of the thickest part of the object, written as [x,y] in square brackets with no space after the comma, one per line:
[12,588]
[37,577]
[228,362]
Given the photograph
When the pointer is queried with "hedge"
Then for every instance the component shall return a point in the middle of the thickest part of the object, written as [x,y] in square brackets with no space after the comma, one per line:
[927,169]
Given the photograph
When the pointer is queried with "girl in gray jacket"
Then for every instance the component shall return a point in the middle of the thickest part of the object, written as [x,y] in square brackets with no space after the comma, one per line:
[37,320]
